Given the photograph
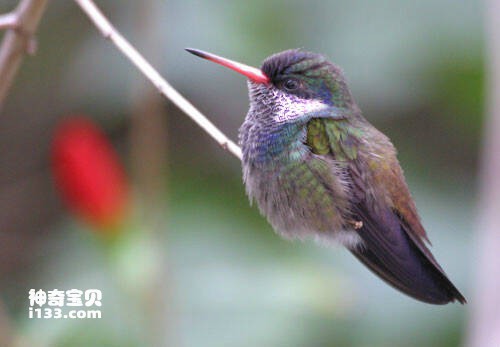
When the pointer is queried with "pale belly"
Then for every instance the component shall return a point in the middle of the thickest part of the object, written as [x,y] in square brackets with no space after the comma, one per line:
[303,201]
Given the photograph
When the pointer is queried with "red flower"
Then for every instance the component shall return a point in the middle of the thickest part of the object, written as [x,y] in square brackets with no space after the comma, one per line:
[88,173]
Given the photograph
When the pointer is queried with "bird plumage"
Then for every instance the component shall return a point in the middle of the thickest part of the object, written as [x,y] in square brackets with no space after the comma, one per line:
[318,169]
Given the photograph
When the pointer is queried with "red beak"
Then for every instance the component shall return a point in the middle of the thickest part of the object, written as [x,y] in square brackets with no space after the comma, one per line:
[254,74]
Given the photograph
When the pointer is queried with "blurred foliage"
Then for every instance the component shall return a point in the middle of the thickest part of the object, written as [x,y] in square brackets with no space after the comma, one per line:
[416,69]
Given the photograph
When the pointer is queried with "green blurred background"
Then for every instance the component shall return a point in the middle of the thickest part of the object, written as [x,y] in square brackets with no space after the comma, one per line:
[204,268]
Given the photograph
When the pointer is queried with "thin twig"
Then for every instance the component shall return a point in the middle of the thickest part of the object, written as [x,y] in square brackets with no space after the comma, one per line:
[18,40]
[109,32]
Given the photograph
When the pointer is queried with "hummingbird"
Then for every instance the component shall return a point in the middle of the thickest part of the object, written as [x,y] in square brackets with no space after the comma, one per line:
[317,169]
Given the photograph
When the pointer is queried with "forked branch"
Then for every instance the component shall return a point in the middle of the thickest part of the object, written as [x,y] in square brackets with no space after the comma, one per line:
[21,25]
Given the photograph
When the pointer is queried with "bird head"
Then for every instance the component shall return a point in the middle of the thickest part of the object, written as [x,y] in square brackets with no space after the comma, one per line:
[292,85]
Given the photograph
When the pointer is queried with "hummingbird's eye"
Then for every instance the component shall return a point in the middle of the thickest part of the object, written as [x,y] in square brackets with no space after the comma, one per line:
[291,84]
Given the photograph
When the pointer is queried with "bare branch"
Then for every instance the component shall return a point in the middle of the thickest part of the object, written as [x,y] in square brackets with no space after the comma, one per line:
[109,32]
[18,40]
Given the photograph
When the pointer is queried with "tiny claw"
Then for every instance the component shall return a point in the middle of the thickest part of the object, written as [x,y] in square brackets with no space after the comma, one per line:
[356,224]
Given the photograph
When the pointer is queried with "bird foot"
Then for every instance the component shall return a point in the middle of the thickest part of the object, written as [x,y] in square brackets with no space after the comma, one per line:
[356,224]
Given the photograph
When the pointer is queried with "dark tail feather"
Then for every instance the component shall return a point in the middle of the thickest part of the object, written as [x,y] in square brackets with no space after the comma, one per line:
[395,258]
[430,287]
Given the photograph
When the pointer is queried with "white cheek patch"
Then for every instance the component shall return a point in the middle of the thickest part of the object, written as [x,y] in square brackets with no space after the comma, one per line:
[291,107]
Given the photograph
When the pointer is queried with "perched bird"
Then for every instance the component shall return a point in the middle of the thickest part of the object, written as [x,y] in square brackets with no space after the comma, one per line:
[318,169]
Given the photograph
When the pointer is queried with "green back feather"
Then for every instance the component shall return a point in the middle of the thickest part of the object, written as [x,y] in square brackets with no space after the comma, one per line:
[334,136]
